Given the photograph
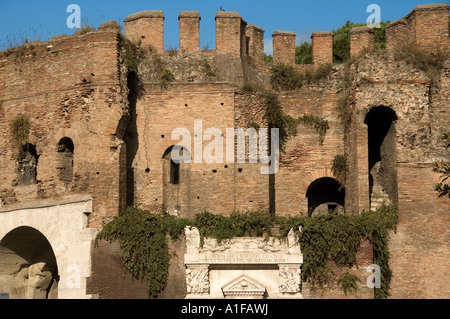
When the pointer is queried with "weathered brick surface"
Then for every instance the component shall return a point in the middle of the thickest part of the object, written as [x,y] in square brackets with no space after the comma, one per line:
[76,87]
[284,47]
[230,33]
[255,36]
[305,158]
[364,258]
[64,94]
[361,38]
[425,27]
[322,47]
[419,246]
[189,31]
[146,28]
[111,280]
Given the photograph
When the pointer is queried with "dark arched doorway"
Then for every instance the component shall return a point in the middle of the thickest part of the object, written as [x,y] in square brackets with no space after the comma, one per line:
[28,267]
[324,195]
[382,156]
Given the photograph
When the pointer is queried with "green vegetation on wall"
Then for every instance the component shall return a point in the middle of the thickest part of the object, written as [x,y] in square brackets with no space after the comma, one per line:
[339,168]
[287,78]
[20,129]
[287,124]
[326,241]
[341,40]
[320,125]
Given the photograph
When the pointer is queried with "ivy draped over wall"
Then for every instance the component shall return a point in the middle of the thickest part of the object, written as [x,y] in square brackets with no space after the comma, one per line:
[326,241]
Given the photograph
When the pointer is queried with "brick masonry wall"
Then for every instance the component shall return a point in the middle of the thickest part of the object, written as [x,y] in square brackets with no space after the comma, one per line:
[73,98]
[189,31]
[429,24]
[322,47]
[305,159]
[111,280]
[361,38]
[425,27]
[255,36]
[397,34]
[147,29]
[364,258]
[83,96]
[284,47]
[158,115]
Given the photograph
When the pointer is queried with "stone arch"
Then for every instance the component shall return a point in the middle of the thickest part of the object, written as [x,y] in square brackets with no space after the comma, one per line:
[64,227]
[311,177]
[176,180]
[28,267]
[325,194]
[382,158]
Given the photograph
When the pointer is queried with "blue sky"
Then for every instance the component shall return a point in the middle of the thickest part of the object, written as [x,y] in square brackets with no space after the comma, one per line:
[40,20]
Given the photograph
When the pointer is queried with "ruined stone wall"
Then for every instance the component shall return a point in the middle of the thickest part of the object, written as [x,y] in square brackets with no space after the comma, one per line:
[76,87]
[419,247]
[69,87]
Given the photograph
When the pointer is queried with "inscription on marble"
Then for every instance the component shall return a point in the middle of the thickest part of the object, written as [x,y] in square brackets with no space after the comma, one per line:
[243,258]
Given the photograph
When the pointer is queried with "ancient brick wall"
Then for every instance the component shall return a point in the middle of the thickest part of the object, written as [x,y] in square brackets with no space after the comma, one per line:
[75,87]
[284,47]
[146,28]
[364,258]
[322,47]
[426,26]
[65,94]
[189,31]
[110,280]
[159,113]
[305,158]
[361,38]
[418,247]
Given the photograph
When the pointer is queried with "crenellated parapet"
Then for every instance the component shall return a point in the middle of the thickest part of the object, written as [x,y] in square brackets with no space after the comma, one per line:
[322,47]
[361,38]
[189,31]
[146,28]
[284,47]
[426,27]
[230,33]
[255,42]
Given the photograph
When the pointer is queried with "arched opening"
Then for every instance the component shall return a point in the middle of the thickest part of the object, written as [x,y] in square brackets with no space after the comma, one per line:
[382,156]
[27,165]
[324,195]
[176,180]
[28,267]
[65,165]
